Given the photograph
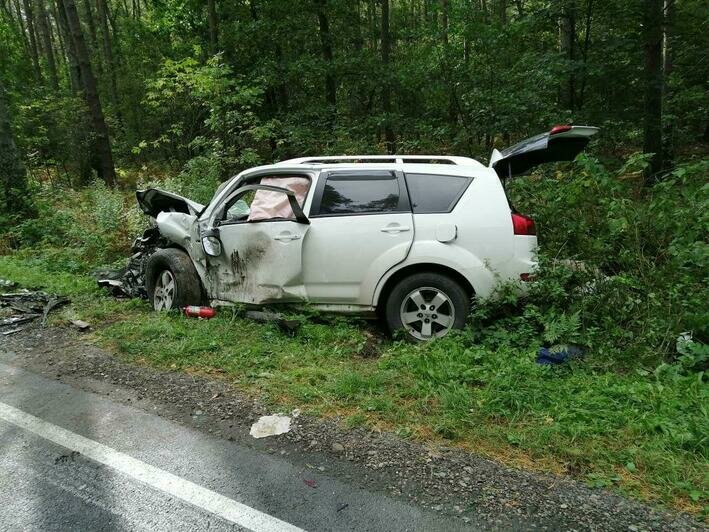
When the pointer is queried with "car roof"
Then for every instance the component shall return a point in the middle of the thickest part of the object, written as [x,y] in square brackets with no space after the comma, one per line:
[434,164]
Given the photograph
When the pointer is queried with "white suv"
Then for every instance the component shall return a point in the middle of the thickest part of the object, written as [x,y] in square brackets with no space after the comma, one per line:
[413,238]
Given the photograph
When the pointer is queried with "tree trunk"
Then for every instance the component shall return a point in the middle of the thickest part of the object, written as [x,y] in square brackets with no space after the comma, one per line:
[326,45]
[652,122]
[47,48]
[389,137]
[93,39]
[213,26]
[567,45]
[13,177]
[104,157]
[29,14]
[102,13]
[584,54]
[667,68]
[74,72]
[20,23]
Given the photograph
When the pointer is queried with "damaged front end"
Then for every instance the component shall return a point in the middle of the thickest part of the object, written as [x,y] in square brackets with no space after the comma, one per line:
[129,281]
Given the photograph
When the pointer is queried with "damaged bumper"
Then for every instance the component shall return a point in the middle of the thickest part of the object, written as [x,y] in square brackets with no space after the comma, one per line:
[130,280]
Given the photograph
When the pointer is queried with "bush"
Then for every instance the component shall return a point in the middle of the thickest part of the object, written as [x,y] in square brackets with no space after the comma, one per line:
[76,231]
[642,280]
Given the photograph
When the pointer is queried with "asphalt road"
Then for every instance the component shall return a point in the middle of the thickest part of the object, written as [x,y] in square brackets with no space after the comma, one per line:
[74,460]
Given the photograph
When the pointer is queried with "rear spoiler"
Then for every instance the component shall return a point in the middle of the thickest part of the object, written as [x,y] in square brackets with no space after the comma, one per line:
[562,143]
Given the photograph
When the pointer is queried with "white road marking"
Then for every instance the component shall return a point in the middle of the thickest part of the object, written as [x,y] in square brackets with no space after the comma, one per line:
[204,498]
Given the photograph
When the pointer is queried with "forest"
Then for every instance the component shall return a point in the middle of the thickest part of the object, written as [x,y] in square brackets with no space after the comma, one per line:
[100,97]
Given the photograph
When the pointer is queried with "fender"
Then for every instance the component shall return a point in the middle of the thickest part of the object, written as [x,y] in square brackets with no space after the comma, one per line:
[182,229]
[471,267]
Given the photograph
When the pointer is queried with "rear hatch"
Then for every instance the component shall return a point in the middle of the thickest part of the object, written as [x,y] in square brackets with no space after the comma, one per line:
[562,143]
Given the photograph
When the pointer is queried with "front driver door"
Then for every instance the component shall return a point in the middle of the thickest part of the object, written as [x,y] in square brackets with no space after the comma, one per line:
[261,259]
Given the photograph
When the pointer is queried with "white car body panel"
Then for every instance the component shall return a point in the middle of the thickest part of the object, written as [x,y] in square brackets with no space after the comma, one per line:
[345,256]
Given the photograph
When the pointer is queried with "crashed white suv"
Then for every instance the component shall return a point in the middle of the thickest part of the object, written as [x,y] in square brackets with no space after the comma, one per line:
[414,238]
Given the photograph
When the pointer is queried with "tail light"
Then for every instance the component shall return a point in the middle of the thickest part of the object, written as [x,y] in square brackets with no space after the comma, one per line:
[559,129]
[523,225]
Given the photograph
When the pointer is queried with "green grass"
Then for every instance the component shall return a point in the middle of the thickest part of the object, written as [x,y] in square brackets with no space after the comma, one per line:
[641,432]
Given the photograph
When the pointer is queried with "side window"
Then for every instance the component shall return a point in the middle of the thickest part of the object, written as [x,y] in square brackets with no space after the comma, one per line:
[260,205]
[435,193]
[360,193]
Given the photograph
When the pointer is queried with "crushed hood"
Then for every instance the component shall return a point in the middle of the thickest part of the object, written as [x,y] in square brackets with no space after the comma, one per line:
[153,201]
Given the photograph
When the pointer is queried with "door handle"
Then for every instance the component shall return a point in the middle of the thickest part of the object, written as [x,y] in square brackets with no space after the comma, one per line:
[395,229]
[286,237]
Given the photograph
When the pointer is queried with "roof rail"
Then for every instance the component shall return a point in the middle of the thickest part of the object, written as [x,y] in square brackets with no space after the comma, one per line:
[381,159]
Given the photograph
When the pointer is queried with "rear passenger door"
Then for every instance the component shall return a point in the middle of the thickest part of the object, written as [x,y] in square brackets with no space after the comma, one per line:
[360,226]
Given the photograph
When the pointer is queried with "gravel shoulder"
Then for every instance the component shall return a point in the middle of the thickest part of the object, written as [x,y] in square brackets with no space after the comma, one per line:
[446,480]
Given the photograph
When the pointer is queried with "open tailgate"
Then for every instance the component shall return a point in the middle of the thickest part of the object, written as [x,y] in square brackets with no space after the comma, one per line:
[562,143]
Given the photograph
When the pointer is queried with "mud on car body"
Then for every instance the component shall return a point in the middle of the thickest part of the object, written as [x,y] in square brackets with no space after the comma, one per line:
[411,238]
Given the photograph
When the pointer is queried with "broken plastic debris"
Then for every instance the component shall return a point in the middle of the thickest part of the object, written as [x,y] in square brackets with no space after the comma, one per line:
[310,483]
[80,324]
[559,354]
[289,327]
[270,426]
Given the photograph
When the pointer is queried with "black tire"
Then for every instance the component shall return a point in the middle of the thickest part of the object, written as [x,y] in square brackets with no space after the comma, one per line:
[458,298]
[188,288]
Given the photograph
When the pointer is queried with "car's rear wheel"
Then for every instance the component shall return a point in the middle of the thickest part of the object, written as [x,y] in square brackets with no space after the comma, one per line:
[172,280]
[426,306]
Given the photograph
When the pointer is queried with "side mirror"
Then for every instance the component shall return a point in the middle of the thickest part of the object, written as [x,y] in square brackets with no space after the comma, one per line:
[211,244]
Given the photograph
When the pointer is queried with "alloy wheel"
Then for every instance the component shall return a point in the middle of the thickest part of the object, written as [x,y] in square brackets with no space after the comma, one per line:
[427,313]
[164,294]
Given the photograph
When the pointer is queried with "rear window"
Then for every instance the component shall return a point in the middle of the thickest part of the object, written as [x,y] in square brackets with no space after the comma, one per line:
[360,194]
[435,193]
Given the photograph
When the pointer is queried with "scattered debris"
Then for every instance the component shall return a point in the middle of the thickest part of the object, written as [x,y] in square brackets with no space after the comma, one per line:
[25,305]
[342,507]
[270,426]
[13,331]
[338,447]
[66,457]
[52,303]
[287,326]
[81,325]
[204,313]
[370,347]
[130,281]
[559,354]
[15,320]
[310,483]
[684,342]
[6,283]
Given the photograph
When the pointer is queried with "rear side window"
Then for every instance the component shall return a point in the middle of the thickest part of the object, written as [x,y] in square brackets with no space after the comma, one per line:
[360,194]
[435,193]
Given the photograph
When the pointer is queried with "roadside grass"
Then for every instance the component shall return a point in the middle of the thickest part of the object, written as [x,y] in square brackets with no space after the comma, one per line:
[641,432]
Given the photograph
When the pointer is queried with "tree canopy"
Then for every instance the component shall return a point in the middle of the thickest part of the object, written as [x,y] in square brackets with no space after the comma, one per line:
[251,81]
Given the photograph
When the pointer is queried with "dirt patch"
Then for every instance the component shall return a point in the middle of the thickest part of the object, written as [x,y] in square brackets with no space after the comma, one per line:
[446,480]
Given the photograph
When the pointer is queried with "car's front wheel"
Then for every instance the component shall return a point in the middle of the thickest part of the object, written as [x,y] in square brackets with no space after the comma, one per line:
[172,280]
[426,305]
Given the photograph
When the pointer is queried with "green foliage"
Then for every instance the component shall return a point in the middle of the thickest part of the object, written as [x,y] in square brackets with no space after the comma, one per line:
[639,277]
[75,231]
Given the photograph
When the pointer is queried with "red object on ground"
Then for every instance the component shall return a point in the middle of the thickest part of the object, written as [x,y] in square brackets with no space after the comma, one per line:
[200,312]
